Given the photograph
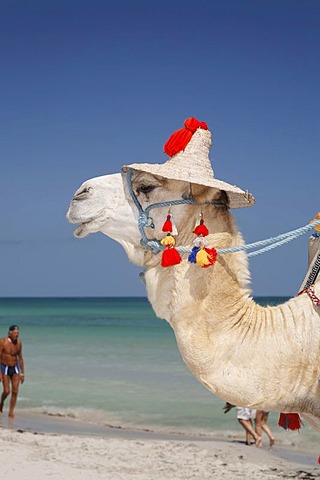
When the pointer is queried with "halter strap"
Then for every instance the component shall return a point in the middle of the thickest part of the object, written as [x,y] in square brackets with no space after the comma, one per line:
[145,221]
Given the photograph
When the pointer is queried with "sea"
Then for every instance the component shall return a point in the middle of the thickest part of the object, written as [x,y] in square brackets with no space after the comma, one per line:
[110,362]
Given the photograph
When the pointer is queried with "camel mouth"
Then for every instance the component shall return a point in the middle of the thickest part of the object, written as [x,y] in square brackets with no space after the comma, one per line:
[81,230]
[85,227]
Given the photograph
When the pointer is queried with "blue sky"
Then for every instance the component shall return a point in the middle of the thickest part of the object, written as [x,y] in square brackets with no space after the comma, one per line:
[89,85]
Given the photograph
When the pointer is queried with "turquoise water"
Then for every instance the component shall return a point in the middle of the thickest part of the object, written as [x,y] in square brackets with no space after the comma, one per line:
[109,361]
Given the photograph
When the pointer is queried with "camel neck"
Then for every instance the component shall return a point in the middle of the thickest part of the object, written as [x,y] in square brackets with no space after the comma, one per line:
[172,291]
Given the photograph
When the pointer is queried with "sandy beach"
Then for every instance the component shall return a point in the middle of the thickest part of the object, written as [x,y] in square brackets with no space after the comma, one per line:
[122,454]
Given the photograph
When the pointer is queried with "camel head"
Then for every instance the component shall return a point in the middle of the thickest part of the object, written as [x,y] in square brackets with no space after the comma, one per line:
[104,204]
[133,205]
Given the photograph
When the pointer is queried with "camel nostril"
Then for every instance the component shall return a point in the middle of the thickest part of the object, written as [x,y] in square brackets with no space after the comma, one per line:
[82,194]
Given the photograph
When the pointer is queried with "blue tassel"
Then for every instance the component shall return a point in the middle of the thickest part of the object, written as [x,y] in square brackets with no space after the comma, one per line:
[193,255]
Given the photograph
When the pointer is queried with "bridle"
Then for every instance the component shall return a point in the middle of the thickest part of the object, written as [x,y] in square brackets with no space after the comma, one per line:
[268,244]
[145,221]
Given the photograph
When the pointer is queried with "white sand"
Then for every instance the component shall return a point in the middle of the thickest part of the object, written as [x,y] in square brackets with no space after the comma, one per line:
[27,455]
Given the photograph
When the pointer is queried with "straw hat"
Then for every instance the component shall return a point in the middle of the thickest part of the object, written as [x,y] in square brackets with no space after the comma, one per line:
[189,151]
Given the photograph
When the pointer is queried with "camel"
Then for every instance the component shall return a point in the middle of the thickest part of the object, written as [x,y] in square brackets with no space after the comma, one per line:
[248,355]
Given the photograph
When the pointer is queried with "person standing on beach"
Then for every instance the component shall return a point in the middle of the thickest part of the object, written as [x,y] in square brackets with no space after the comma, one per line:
[261,424]
[11,367]
[245,417]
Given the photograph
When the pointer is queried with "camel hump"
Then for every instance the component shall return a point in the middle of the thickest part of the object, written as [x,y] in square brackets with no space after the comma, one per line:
[312,275]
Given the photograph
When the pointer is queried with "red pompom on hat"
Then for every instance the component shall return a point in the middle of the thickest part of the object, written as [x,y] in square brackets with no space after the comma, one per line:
[188,161]
[180,138]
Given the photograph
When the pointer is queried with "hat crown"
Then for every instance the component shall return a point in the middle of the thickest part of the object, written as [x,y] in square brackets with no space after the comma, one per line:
[188,150]
[194,161]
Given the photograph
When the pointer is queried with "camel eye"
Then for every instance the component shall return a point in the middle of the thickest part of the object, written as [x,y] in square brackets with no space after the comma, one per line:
[145,189]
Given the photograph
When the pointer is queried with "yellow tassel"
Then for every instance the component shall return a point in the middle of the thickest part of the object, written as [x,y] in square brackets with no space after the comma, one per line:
[168,240]
[202,258]
[317,217]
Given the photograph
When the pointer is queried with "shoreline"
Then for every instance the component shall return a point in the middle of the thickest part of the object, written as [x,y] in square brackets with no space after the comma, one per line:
[33,456]
[288,456]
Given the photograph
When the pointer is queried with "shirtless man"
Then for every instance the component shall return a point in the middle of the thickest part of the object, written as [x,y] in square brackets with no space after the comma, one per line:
[11,367]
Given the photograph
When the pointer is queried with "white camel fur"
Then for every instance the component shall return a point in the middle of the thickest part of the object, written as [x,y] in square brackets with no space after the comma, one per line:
[263,357]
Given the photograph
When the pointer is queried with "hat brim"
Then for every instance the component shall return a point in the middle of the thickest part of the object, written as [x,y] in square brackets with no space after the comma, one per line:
[238,198]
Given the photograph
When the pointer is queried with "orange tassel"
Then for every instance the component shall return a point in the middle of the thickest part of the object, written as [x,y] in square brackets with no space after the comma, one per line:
[290,421]
[317,217]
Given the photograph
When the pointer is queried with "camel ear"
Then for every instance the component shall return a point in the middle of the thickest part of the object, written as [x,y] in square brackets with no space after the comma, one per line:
[202,194]
[221,199]
[215,196]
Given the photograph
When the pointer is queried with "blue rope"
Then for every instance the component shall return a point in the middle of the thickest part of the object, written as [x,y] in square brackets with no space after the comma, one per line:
[145,221]
[268,244]
[272,242]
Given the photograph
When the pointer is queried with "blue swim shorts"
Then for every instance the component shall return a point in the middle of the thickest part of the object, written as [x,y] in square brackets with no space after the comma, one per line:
[10,370]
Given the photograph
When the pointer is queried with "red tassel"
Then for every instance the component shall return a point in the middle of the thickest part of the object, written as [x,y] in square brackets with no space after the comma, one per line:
[170,257]
[201,229]
[180,138]
[193,124]
[290,421]
[177,142]
[212,256]
[167,226]
[319,459]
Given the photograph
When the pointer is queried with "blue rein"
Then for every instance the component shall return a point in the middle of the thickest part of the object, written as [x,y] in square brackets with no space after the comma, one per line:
[145,221]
